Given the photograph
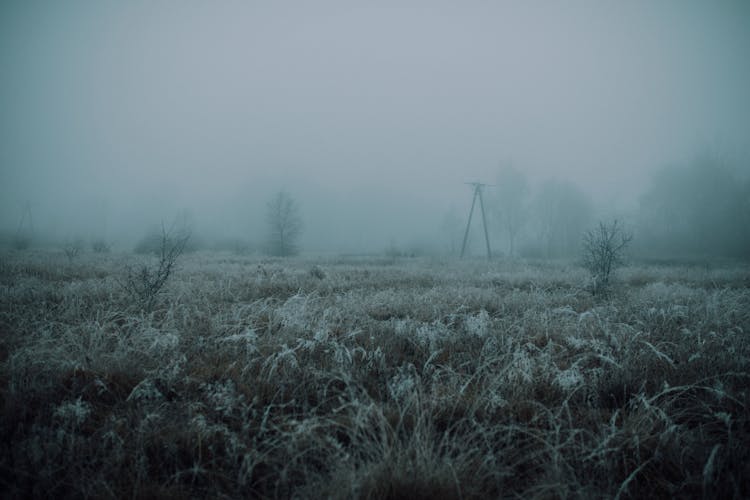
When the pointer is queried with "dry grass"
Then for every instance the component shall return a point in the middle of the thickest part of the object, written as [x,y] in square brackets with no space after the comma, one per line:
[354,378]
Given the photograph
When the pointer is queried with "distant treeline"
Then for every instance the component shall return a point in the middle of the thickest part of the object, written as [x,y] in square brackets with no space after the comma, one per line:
[695,211]
[699,210]
[702,209]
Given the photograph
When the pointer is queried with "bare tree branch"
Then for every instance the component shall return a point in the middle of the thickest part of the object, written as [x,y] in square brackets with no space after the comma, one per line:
[145,282]
[284,224]
[603,252]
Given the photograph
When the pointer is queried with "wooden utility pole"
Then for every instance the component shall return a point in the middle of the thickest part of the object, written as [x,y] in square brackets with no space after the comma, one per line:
[477,194]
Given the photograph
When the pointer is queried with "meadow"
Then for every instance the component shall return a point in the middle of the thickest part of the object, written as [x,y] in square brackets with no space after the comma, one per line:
[369,377]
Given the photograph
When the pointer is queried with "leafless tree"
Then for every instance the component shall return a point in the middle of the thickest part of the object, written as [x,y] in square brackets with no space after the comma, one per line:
[512,190]
[145,282]
[284,224]
[603,252]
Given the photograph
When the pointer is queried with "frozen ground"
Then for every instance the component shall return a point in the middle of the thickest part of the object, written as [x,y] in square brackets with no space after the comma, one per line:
[372,378]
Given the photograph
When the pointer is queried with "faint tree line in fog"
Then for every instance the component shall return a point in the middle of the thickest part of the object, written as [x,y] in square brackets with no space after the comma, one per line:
[701,209]
[512,190]
[545,222]
[698,210]
[563,213]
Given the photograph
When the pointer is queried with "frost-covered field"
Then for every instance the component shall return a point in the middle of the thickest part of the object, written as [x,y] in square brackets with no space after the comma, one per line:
[357,378]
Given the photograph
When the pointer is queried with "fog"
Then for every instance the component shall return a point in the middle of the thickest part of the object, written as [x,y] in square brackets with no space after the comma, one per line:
[117,116]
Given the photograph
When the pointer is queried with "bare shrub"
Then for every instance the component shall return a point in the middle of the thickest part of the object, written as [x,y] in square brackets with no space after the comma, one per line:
[146,281]
[72,249]
[100,246]
[317,272]
[603,252]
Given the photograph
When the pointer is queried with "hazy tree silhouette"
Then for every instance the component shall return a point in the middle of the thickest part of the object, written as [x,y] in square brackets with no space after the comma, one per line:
[451,228]
[512,190]
[698,209]
[563,212]
[603,251]
[284,225]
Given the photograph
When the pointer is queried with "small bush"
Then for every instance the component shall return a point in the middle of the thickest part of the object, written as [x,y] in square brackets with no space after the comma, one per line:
[100,246]
[317,272]
[603,249]
[145,282]
[72,249]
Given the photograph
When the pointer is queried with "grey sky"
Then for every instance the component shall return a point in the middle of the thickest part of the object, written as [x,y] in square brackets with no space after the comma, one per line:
[130,111]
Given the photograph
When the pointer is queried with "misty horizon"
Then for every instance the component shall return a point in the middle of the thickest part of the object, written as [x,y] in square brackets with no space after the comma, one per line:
[119,117]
